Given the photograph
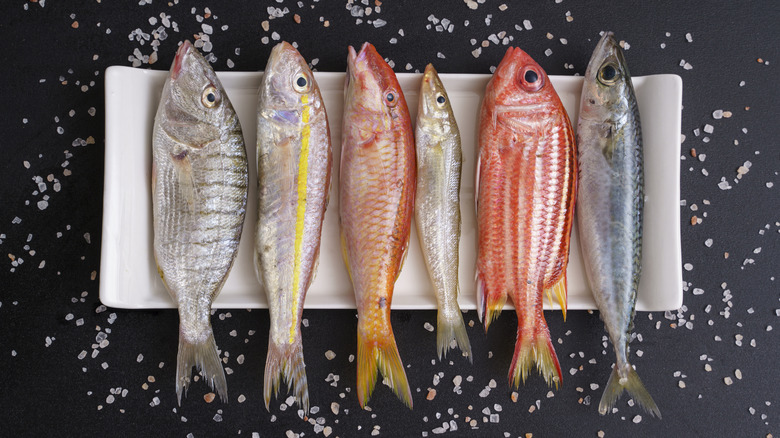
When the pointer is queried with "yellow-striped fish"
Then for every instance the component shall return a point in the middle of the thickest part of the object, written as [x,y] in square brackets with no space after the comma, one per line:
[293,166]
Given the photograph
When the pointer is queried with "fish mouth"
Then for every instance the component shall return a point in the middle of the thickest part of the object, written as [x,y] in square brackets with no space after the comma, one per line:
[366,48]
[428,87]
[368,56]
[430,72]
[184,49]
[606,46]
[517,52]
[279,52]
[366,60]
[351,59]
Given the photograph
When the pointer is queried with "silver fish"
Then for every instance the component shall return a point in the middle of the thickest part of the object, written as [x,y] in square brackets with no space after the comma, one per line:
[610,205]
[294,163]
[199,193]
[437,207]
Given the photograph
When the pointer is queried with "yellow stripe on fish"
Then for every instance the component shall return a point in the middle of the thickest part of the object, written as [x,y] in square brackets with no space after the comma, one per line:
[303,166]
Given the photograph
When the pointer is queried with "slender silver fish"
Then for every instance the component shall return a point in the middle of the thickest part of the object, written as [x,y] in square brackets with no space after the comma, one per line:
[437,207]
[294,164]
[609,207]
[199,191]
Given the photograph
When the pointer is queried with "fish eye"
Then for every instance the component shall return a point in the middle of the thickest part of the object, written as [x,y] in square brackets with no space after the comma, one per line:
[441,99]
[391,98]
[301,83]
[209,97]
[608,74]
[531,78]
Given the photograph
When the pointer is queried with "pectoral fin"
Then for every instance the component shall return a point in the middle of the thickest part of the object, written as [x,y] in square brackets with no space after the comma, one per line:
[186,179]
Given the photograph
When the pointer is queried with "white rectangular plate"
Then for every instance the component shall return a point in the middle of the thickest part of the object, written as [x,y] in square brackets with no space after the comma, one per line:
[128,276]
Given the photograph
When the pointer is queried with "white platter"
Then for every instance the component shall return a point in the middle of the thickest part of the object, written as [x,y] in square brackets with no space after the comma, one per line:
[129,279]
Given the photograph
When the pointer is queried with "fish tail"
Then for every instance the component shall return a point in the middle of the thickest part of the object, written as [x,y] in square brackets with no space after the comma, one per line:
[449,328]
[286,360]
[631,384]
[534,345]
[382,354]
[489,303]
[202,354]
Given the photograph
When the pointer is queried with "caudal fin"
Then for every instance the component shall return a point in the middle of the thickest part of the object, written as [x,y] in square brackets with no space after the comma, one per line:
[489,303]
[631,384]
[286,361]
[202,355]
[383,355]
[534,346]
[449,328]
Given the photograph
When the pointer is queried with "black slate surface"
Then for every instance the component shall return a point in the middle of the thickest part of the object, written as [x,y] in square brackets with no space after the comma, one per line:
[54,55]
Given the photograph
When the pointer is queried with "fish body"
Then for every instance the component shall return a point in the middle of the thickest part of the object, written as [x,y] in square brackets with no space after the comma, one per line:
[437,205]
[294,158]
[199,190]
[526,186]
[376,194]
[610,207]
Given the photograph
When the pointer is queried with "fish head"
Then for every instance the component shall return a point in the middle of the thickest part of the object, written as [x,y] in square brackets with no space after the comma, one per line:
[288,85]
[607,87]
[194,104]
[520,86]
[434,108]
[373,94]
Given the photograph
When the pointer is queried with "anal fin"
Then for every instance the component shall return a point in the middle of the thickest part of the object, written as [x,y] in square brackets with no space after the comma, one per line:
[561,294]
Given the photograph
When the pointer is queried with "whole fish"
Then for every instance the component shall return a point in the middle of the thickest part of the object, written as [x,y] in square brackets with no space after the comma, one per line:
[199,191]
[609,212]
[293,167]
[437,205]
[376,193]
[526,186]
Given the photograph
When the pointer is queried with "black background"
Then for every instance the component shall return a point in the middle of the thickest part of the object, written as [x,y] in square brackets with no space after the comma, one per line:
[47,389]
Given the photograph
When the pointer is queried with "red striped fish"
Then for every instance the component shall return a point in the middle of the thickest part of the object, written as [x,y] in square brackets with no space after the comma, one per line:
[526,185]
